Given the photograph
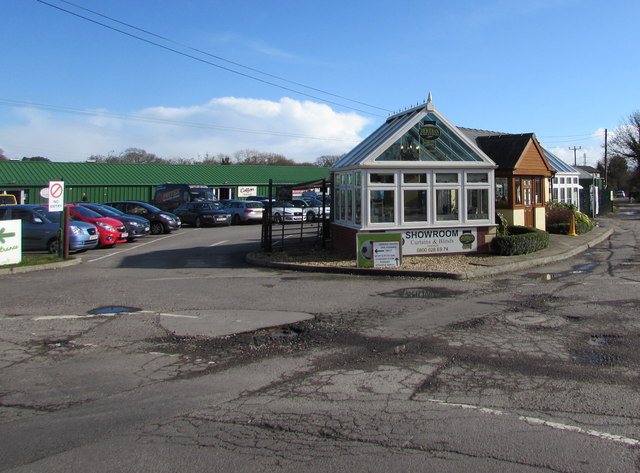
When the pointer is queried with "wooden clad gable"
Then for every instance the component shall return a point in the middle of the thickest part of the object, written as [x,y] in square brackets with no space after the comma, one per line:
[532,161]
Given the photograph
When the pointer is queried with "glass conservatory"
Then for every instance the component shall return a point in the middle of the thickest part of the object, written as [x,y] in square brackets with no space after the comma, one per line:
[416,172]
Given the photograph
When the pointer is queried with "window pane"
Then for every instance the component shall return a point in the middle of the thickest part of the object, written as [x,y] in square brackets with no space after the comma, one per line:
[411,178]
[474,177]
[349,205]
[446,204]
[415,206]
[382,205]
[518,192]
[379,178]
[502,190]
[358,178]
[447,177]
[477,204]
[358,207]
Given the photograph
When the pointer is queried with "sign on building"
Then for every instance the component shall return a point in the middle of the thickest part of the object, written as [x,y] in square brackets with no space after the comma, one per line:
[247,191]
[439,240]
[10,242]
[366,242]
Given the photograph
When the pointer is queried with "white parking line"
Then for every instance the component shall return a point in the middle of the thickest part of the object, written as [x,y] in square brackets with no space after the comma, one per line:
[219,243]
[133,247]
[180,316]
[631,442]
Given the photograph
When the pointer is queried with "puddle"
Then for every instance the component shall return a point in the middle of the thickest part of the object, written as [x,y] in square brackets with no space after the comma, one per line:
[552,276]
[113,309]
[596,357]
[421,293]
[603,340]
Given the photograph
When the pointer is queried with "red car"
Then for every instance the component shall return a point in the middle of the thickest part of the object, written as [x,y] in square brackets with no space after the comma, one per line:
[110,230]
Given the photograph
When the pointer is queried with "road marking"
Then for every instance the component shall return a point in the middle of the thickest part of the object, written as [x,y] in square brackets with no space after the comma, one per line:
[133,247]
[219,243]
[61,317]
[631,442]
[180,316]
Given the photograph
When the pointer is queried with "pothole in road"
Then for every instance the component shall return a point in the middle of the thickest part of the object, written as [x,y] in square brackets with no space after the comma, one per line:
[533,319]
[422,293]
[113,309]
[552,276]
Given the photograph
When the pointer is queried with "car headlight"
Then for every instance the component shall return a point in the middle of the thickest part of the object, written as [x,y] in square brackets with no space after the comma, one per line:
[75,230]
[106,226]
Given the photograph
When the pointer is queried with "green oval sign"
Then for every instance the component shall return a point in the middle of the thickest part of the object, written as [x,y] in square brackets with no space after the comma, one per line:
[429,132]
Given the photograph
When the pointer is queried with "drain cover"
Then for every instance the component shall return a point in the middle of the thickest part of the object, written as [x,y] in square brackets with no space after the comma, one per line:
[422,293]
[113,309]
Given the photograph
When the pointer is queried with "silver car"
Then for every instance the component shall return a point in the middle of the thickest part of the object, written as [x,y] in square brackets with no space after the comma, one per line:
[244,211]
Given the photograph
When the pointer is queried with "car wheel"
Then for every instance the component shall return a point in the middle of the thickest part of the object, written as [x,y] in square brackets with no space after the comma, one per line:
[236,220]
[197,223]
[52,246]
[156,228]
[277,218]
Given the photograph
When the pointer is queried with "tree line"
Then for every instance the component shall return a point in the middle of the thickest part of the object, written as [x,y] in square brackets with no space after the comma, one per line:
[243,157]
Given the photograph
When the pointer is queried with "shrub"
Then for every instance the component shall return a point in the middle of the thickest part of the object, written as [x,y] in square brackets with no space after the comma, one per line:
[520,240]
[558,219]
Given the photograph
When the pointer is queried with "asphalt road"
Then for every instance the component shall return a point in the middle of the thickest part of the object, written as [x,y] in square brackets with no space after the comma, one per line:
[530,371]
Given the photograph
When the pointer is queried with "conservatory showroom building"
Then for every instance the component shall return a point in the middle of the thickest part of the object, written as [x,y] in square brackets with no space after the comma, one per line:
[420,177]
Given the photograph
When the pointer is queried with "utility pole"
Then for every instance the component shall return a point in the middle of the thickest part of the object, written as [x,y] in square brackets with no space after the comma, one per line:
[575,148]
[606,170]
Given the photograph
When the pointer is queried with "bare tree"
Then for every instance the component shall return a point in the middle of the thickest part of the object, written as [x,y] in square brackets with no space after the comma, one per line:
[2,156]
[626,144]
[328,160]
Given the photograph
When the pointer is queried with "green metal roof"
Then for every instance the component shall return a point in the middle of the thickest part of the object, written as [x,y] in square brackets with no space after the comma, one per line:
[30,173]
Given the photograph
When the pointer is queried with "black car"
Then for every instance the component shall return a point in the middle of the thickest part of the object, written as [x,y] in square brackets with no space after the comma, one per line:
[203,213]
[136,226]
[160,221]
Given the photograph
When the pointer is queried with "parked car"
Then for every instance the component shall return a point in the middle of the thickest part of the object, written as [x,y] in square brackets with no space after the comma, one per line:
[110,230]
[203,213]
[7,199]
[160,221]
[244,211]
[40,229]
[136,226]
[286,212]
[620,194]
[312,208]
[259,198]
[318,204]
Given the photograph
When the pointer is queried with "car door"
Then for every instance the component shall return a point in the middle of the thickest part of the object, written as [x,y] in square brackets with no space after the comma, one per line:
[35,231]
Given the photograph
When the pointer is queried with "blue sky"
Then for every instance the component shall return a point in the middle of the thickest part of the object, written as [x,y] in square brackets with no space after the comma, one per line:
[311,78]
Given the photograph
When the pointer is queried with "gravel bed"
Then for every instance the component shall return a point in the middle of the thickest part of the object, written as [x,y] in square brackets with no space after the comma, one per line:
[335,258]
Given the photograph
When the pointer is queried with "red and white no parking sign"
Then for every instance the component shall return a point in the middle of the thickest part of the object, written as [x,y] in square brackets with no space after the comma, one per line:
[56,196]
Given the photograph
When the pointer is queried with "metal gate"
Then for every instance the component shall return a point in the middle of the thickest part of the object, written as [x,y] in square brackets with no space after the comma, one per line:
[288,231]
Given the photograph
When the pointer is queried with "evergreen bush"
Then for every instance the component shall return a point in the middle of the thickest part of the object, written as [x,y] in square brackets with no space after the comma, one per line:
[520,240]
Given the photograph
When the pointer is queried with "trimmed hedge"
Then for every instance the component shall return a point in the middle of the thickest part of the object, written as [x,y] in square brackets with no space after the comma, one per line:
[563,228]
[520,241]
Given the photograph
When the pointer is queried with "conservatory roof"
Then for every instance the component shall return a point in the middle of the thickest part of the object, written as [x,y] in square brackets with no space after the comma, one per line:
[557,164]
[420,135]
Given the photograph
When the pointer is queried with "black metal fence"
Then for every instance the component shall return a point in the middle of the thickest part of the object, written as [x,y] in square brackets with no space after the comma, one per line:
[282,229]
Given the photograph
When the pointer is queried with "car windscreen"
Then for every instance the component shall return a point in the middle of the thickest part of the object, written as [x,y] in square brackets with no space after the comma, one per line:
[52,216]
[85,212]
[109,211]
[255,205]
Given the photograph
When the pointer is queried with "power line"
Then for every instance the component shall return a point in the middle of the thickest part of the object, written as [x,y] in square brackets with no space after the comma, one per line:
[191,56]
[151,33]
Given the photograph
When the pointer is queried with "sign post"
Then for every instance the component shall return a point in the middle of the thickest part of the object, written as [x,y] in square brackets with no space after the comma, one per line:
[56,204]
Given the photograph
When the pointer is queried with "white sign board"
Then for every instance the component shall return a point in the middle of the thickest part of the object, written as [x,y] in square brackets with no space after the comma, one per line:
[439,241]
[56,196]
[10,241]
[386,254]
[247,191]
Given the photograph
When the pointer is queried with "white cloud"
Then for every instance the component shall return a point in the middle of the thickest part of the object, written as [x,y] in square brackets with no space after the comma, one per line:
[299,130]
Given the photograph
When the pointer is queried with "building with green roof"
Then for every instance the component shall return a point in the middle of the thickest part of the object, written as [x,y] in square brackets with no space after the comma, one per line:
[105,182]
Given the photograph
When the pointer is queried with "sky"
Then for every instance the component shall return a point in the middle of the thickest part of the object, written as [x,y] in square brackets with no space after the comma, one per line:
[196,78]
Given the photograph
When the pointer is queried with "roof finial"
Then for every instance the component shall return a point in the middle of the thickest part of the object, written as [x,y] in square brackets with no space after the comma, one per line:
[430,102]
